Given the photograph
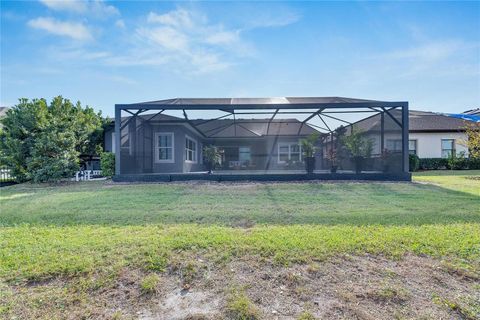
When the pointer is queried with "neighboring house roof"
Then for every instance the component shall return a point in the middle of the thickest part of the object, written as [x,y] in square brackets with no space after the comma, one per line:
[3,111]
[419,121]
[431,122]
[475,112]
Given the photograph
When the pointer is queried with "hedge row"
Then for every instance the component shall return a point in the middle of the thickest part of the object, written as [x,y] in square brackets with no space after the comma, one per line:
[456,163]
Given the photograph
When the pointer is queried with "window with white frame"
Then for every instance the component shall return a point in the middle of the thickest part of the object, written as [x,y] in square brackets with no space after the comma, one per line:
[412,146]
[244,155]
[394,145]
[190,149]
[448,147]
[164,147]
[289,152]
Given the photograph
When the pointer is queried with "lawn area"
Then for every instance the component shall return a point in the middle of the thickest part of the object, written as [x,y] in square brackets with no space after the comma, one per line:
[93,230]
[461,180]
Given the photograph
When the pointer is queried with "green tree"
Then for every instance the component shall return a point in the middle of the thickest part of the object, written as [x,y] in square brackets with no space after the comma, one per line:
[43,142]
[472,142]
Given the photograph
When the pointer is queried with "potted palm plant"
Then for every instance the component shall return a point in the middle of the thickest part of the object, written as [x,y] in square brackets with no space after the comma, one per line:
[309,148]
[211,156]
[359,148]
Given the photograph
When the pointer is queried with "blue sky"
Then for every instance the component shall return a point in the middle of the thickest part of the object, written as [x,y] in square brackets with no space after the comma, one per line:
[103,53]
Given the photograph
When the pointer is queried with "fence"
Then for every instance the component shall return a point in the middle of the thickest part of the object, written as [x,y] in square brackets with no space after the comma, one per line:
[87,175]
[6,178]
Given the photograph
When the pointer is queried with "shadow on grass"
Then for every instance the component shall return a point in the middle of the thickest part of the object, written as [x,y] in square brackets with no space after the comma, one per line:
[227,204]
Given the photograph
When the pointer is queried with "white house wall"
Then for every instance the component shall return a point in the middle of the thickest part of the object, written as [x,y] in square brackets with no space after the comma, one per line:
[429,145]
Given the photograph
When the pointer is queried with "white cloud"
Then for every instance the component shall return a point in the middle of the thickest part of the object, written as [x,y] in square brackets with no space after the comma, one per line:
[432,51]
[120,24]
[97,8]
[100,9]
[66,5]
[280,17]
[185,40]
[179,18]
[223,37]
[165,37]
[74,30]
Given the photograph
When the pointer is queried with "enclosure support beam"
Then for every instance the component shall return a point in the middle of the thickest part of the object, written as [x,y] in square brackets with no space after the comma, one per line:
[255,133]
[193,125]
[210,120]
[382,132]
[220,129]
[318,127]
[234,125]
[132,118]
[156,114]
[335,118]
[406,168]
[270,120]
[326,125]
[118,119]
[391,116]
[308,118]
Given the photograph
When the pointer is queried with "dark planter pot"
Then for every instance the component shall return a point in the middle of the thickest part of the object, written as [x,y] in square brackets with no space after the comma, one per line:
[209,166]
[333,169]
[310,164]
[359,161]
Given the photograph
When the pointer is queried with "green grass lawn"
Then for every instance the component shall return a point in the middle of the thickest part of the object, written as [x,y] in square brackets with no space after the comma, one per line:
[78,229]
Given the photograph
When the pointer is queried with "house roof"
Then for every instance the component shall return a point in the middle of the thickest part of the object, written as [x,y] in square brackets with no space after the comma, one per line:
[243,128]
[419,121]
[3,111]
[225,128]
[259,103]
[475,112]
[430,121]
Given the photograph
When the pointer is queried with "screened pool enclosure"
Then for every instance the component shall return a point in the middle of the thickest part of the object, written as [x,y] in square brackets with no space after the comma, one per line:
[261,139]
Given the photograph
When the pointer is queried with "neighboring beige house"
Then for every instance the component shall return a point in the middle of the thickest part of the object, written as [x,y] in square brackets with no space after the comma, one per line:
[434,135]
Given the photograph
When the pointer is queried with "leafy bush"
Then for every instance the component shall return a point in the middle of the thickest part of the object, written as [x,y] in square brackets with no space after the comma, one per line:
[458,163]
[433,163]
[474,163]
[42,142]
[53,157]
[414,162]
[454,163]
[107,164]
[358,145]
